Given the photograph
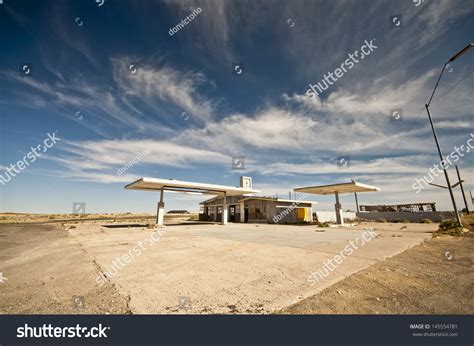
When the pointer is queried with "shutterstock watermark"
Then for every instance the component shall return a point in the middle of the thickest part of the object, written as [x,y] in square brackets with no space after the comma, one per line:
[332,77]
[35,152]
[185,21]
[453,157]
[48,331]
[133,162]
[348,250]
[120,262]
[280,216]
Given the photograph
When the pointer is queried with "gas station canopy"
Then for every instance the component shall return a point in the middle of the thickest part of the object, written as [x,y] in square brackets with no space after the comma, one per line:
[162,185]
[336,189]
[157,184]
[339,188]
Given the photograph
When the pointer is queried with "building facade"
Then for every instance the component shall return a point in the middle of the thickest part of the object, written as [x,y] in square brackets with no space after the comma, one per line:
[256,209]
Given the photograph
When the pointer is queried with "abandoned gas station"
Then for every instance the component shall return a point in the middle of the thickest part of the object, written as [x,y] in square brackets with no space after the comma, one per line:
[162,185]
[241,204]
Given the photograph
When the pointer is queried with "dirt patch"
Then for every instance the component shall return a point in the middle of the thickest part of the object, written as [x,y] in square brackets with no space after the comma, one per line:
[48,272]
[435,277]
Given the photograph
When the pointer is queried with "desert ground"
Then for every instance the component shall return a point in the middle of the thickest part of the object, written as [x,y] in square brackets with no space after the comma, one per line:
[196,268]
[435,277]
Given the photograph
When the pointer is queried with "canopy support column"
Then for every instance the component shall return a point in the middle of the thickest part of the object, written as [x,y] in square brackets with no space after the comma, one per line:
[160,215]
[339,218]
[224,209]
[357,203]
[242,212]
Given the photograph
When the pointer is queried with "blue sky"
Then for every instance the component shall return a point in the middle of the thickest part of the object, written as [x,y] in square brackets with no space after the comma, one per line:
[183,103]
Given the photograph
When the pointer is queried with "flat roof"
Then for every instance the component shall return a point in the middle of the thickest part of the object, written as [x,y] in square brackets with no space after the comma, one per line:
[277,199]
[211,200]
[339,188]
[156,184]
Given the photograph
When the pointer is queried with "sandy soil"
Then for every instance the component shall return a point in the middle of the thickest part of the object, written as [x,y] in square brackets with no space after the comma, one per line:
[48,272]
[7,218]
[23,218]
[436,277]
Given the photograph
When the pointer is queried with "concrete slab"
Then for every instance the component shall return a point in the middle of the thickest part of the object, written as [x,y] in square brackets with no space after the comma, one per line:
[242,268]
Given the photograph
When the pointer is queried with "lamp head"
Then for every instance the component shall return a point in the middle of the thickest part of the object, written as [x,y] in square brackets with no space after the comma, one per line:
[462,52]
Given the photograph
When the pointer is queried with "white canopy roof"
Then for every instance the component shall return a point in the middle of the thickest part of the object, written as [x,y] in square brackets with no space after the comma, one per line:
[278,200]
[156,184]
[339,188]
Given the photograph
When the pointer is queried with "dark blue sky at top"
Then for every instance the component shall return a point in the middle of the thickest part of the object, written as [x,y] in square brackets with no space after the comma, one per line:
[140,29]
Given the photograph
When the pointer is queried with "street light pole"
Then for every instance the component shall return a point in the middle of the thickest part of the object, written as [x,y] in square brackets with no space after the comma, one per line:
[462,189]
[454,57]
[453,200]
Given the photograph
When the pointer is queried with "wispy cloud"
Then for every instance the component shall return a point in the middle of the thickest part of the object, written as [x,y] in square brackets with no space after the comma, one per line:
[399,165]
[99,160]
[454,125]
[213,29]
[156,85]
[152,99]
[63,24]
[301,131]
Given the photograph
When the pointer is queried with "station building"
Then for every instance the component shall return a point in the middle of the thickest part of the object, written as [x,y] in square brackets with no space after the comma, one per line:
[255,209]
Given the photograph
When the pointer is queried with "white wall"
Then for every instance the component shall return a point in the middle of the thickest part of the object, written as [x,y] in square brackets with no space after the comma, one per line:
[330,216]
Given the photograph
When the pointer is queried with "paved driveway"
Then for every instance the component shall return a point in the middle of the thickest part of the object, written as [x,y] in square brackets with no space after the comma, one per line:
[244,268]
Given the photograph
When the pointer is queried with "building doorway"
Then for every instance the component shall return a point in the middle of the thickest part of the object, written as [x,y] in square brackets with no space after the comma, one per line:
[231,213]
